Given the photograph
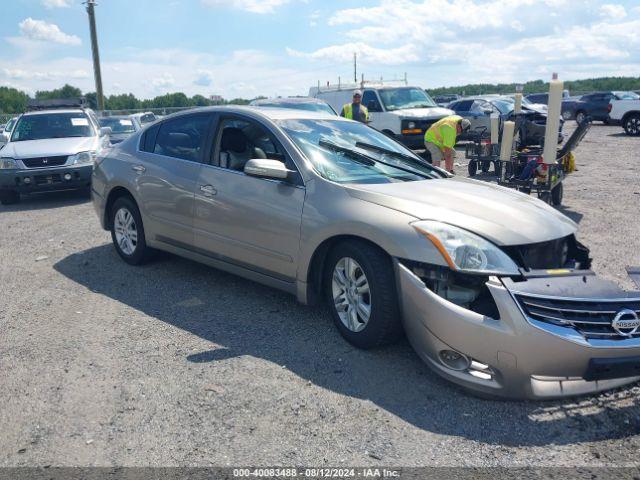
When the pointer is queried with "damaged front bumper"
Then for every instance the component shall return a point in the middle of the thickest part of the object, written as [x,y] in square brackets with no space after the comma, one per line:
[554,335]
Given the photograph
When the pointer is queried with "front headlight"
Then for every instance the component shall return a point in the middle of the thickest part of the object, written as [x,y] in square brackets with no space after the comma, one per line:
[82,158]
[8,164]
[466,251]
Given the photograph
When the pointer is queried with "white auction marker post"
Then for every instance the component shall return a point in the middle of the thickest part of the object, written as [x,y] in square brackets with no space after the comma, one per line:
[518,107]
[506,147]
[495,129]
[550,151]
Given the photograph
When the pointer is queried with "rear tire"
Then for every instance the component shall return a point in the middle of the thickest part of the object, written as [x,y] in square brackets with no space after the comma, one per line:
[580,116]
[556,195]
[127,232]
[472,168]
[9,197]
[632,125]
[360,290]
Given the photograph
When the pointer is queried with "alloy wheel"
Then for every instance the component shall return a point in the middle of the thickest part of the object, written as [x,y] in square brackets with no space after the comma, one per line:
[351,294]
[633,125]
[126,231]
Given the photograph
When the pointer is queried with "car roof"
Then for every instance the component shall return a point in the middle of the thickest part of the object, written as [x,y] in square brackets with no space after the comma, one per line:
[291,100]
[271,113]
[54,110]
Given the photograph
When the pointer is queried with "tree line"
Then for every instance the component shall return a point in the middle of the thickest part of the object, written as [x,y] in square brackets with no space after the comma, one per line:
[575,87]
[15,101]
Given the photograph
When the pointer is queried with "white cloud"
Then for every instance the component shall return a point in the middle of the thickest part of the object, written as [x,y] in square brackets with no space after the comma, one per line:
[163,82]
[56,3]
[46,32]
[613,12]
[367,53]
[252,6]
[204,79]
[22,74]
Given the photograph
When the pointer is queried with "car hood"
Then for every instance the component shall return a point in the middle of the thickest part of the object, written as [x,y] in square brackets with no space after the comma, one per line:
[412,113]
[50,147]
[537,107]
[502,215]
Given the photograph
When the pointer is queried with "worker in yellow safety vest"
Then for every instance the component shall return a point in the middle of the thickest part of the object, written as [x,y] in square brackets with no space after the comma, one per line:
[441,138]
[355,110]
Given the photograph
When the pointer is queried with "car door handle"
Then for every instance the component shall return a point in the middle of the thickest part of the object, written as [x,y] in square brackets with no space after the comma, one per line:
[138,168]
[208,190]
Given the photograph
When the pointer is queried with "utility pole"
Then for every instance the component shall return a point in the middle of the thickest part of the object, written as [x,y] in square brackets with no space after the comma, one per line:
[96,54]
[355,67]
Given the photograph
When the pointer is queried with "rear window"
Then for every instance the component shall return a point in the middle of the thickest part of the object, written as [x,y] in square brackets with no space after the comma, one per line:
[118,125]
[147,118]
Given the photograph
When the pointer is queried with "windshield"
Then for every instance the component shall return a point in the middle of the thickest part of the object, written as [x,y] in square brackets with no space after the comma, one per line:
[406,97]
[118,125]
[627,95]
[52,125]
[312,107]
[330,145]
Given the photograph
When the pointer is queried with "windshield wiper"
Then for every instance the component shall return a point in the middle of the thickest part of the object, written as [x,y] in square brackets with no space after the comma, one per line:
[376,148]
[363,157]
[359,157]
[404,156]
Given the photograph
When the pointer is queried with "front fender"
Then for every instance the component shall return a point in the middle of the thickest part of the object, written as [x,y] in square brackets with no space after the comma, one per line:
[330,212]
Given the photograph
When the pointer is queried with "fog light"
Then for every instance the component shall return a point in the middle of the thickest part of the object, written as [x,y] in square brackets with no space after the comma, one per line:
[26,180]
[67,176]
[455,360]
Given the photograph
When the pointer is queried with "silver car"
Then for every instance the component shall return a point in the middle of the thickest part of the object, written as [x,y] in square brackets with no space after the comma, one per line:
[490,286]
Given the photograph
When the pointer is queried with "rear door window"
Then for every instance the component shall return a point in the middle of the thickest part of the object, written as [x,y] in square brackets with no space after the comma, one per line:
[183,137]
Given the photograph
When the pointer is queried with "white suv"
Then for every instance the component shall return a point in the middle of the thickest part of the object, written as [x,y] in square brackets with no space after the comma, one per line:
[50,150]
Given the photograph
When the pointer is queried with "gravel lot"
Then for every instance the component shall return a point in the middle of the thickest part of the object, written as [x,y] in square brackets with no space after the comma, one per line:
[176,363]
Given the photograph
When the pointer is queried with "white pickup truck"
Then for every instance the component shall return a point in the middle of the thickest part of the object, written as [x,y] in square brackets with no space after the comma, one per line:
[627,114]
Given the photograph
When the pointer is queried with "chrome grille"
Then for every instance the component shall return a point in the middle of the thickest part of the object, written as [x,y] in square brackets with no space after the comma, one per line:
[41,162]
[592,319]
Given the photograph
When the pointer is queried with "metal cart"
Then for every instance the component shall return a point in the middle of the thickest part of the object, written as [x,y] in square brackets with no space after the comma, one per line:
[526,171]
[481,153]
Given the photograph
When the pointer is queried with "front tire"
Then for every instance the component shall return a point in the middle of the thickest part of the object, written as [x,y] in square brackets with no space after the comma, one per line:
[360,290]
[580,117]
[632,125]
[127,232]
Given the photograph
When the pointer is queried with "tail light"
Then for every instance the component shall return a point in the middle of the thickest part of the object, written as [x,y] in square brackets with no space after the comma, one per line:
[609,107]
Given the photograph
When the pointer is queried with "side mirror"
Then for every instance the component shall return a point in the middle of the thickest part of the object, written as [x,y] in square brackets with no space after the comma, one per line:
[487,111]
[373,106]
[104,131]
[266,168]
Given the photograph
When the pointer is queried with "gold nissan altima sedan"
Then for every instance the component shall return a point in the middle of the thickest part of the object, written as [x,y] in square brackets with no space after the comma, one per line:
[491,286]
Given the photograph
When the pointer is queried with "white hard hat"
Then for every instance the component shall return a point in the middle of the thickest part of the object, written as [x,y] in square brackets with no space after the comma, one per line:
[357,92]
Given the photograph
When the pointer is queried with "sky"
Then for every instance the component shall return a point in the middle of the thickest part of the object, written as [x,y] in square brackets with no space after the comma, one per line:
[246,48]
